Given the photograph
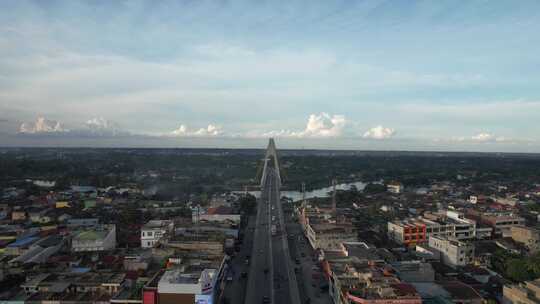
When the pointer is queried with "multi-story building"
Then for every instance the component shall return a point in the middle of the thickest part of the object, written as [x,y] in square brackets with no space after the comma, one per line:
[452,251]
[191,281]
[100,238]
[153,231]
[500,222]
[528,236]
[323,232]
[176,286]
[352,280]
[417,230]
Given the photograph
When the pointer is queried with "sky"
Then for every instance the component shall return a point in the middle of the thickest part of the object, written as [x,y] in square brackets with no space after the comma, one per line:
[367,75]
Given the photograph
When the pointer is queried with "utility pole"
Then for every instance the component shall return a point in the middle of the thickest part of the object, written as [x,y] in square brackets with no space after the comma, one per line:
[334,183]
[303,194]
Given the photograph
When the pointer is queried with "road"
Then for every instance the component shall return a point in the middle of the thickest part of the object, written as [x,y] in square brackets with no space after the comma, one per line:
[235,289]
[310,276]
[271,275]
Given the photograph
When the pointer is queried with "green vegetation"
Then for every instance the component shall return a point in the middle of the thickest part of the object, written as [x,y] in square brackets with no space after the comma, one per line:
[181,173]
[374,188]
[248,204]
[515,267]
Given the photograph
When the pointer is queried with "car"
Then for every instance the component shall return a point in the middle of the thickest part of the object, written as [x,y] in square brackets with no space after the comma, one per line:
[296,269]
[244,274]
[303,255]
[229,278]
[266,299]
[297,261]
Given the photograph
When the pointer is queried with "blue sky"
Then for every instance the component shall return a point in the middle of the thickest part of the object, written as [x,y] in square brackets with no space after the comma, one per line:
[445,75]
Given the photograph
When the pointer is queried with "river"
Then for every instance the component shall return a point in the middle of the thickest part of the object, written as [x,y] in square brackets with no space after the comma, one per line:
[321,192]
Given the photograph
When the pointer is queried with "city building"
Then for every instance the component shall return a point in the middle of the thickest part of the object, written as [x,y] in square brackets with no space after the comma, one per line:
[501,222]
[414,271]
[525,293]
[352,280]
[41,250]
[216,214]
[453,252]
[154,230]
[324,233]
[82,222]
[394,187]
[190,281]
[99,238]
[528,236]
[417,230]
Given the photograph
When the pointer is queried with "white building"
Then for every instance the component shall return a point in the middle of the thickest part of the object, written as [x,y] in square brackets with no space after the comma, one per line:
[394,188]
[100,238]
[195,287]
[452,251]
[153,231]
[218,214]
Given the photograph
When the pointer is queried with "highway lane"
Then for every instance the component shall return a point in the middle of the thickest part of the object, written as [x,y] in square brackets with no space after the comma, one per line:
[260,284]
[235,289]
[271,252]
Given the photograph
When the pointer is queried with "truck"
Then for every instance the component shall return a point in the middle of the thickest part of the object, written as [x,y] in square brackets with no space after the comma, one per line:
[273,229]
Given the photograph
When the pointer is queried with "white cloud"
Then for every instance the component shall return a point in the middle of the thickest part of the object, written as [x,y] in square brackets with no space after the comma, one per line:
[324,125]
[318,126]
[102,126]
[379,132]
[42,125]
[483,137]
[210,130]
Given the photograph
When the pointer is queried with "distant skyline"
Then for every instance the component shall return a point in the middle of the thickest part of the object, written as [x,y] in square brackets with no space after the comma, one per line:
[366,75]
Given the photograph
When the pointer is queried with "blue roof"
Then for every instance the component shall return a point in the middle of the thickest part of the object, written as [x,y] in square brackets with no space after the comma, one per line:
[80,269]
[83,188]
[23,242]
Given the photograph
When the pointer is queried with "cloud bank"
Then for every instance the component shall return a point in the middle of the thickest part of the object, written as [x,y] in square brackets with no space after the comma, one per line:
[42,125]
[320,125]
[209,131]
[379,132]
[92,127]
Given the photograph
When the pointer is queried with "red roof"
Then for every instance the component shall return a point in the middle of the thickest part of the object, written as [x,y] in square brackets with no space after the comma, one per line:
[219,210]
[404,289]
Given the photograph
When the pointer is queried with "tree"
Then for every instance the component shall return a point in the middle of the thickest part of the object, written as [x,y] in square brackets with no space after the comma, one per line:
[374,188]
[516,270]
[533,265]
[248,204]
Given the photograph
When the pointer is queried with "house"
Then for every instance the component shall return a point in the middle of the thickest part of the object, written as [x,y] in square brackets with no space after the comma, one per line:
[153,231]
